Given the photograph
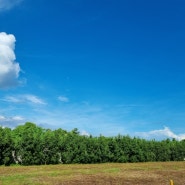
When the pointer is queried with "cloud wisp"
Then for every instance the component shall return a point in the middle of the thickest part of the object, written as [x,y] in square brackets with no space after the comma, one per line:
[25,98]
[63,99]
[9,69]
[8,4]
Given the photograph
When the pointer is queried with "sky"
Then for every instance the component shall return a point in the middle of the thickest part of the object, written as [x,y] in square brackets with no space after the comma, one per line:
[105,67]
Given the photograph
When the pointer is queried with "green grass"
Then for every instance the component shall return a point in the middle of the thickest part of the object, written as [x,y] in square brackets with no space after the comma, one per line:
[110,173]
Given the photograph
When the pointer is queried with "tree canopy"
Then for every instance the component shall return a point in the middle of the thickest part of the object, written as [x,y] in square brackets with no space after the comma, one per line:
[30,144]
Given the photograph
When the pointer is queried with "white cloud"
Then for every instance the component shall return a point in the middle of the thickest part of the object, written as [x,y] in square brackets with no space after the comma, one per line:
[163,133]
[25,98]
[63,99]
[34,99]
[11,121]
[9,69]
[2,118]
[18,118]
[181,136]
[84,133]
[12,99]
[8,4]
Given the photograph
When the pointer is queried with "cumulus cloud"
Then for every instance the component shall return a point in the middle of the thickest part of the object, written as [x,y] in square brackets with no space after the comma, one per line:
[9,69]
[24,98]
[161,134]
[8,4]
[84,133]
[63,99]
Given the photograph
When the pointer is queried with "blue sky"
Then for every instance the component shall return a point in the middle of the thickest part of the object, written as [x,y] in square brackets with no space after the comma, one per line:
[103,66]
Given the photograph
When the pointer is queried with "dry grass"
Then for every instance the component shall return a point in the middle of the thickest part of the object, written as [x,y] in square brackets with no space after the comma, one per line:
[96,174]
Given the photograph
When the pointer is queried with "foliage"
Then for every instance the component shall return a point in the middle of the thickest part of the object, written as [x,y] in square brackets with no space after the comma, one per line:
[30,144]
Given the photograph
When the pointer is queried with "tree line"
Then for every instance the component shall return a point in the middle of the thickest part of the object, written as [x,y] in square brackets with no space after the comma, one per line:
[30,144]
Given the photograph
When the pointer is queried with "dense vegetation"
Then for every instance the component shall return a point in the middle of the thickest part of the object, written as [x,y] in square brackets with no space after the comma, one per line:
[29,144]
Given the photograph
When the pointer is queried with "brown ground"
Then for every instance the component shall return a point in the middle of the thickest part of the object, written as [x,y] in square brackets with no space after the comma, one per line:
[96,174]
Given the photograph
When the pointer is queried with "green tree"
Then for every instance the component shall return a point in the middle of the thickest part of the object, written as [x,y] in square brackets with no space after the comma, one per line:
[28,143]
[5,146]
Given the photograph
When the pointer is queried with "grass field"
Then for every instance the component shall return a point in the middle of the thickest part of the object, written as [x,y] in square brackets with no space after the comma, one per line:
[105,174]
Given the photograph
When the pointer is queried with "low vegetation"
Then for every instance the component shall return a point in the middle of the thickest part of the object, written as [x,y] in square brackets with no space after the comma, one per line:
[29,144]
[151,173]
